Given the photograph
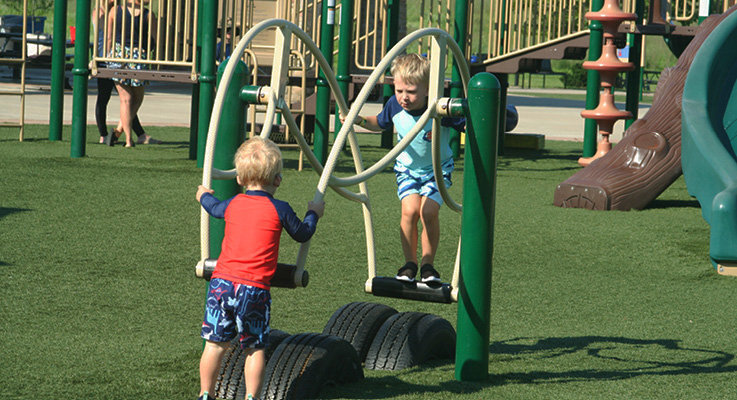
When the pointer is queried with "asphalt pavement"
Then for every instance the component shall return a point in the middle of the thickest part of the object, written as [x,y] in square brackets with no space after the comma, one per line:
[169,104]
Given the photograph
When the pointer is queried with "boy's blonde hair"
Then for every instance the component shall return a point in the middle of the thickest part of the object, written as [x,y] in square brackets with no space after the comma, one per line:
[413,69]
[258,161]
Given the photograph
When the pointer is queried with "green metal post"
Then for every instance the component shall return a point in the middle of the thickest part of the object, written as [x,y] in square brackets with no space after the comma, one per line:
[322,108]
[596,40]
[504,83]
[634,83]
[194,109]
[345,44]
[80,72]
[231,133]
[58,53]
[477,228]
[207,75]
[460,30]
[392,35]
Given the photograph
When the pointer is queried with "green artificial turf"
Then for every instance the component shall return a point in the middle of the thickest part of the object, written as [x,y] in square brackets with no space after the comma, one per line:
[99,298]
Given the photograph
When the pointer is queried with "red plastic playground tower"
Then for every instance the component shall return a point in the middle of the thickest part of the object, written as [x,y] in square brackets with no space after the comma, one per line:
[608,65]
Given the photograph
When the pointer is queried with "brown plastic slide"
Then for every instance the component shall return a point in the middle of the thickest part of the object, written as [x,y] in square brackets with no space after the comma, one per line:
[648,158]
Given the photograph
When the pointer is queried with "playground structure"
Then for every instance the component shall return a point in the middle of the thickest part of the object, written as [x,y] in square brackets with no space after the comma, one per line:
[710,140]
[648,159]
[608,65]
[505,37]
[474,260]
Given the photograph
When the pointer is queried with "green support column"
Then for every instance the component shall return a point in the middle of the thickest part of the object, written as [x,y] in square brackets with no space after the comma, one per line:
[460,29]
[322,108]
[479,188]
[634,77]
[231,133]
[392,34]
[207,75]
[504,85]
[58,53]
[345,45]
[596,40]
[80,72]
[194,109]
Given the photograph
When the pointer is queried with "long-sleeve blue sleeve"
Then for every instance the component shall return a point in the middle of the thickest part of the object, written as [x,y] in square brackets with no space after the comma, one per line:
[213,206]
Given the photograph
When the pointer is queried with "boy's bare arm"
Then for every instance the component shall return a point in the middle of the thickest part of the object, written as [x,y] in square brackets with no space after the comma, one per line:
[369,123]
[202,190]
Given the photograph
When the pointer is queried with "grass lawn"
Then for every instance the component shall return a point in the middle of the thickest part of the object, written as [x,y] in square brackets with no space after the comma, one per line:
[99,298]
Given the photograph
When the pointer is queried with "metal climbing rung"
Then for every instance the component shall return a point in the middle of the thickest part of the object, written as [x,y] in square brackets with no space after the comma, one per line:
[147,75]
[430,292]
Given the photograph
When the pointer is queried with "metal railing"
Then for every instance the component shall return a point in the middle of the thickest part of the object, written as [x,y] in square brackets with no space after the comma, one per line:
[170,25]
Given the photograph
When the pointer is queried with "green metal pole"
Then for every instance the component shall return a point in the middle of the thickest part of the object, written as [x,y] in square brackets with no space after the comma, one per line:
[634,83]
[345,44]
[596,40]
[392,35]
[80,73]
[477,228]
[322,108]
[460,30]
[207,75]
[194,109]
[231,133]
[504,83]
[58,53]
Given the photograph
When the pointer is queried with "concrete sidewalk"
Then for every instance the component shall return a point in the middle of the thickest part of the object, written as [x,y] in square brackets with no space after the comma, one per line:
[168,104]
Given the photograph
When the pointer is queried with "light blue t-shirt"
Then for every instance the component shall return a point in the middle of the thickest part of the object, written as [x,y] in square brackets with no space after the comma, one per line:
[418,155]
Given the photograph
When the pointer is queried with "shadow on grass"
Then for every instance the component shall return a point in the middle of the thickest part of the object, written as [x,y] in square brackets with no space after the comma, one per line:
[581,359]
[608,358]
[4,211]
[661,204]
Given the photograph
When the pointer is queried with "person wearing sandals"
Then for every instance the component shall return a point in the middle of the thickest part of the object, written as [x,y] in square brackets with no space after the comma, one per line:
[416,185]
[131,34]
[105,86]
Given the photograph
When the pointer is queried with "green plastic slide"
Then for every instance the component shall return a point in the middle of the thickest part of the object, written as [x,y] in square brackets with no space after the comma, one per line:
[709,135]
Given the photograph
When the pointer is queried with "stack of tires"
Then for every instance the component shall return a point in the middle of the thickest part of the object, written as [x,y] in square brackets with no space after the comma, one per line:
[374,335]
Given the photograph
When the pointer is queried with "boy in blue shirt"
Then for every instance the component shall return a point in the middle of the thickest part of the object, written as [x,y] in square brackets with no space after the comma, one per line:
[417,188]
[238,299]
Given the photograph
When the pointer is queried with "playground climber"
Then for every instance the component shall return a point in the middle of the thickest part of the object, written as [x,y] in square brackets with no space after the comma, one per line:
[238,298]
[417,188]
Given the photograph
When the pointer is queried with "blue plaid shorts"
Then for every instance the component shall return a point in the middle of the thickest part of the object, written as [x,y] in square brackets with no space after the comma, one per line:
[422,183]
[236,309]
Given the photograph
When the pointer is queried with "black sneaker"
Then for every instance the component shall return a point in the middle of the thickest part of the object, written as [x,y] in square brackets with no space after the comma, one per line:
[429,274]
[407,273]
[206,396]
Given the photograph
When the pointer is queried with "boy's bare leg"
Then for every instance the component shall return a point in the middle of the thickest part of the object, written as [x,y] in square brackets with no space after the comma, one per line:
[430,212]
[212,355]
[408,226]
[254,368]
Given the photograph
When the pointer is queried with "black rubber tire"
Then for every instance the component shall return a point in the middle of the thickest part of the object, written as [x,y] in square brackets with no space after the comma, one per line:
[358,323]
[304,363]
[409,338]
[231,383]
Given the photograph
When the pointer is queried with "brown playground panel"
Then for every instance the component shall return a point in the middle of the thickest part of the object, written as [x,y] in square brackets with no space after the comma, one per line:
[648,158]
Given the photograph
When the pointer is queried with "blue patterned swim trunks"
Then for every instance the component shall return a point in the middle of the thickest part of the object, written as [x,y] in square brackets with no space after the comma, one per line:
[236,309]
[422,183]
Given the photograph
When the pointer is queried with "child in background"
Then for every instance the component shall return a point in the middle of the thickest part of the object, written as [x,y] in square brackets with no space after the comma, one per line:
[417,188]
[238,299]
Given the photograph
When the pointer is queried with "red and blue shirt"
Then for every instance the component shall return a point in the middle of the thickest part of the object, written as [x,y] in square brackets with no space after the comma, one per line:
[253,226]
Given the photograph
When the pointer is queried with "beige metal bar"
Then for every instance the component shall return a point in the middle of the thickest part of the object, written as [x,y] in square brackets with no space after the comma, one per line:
[166,32]
[21,89]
